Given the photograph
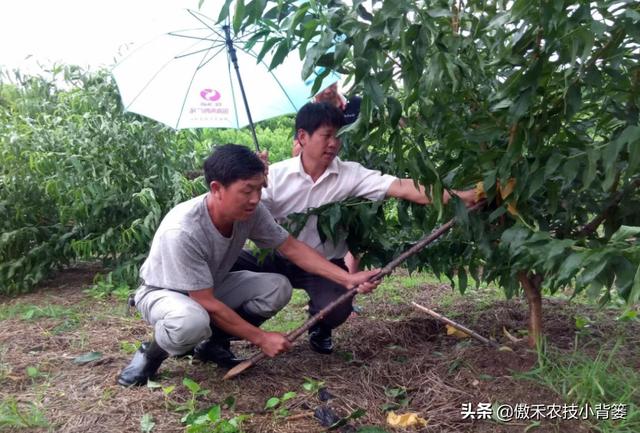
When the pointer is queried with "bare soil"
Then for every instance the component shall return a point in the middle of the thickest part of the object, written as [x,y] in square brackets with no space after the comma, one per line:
[387,349]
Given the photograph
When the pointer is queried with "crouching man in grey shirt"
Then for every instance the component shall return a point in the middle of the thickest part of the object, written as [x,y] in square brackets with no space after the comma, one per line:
[188,294]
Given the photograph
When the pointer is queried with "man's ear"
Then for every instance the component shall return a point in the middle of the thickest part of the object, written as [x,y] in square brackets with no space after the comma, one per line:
[215,187]
[303,136]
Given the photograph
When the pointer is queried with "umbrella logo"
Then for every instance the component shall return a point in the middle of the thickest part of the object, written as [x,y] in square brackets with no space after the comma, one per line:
[207,96]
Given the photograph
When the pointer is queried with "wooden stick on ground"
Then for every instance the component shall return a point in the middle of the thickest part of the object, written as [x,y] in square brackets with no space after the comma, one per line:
[293,335]
[457,325]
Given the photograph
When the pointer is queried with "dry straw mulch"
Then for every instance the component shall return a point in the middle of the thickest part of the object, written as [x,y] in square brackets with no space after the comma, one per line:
[390,355]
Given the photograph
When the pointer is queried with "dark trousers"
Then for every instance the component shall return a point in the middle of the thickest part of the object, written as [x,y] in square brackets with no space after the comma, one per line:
[321,291]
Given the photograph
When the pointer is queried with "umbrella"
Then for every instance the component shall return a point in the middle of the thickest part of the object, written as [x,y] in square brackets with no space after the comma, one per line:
[184,79]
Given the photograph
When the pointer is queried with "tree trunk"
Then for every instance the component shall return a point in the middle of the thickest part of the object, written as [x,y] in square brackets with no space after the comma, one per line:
[531,285]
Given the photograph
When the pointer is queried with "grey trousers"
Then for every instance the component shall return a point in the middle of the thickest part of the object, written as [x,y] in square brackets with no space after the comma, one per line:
[321,291]
[180,322]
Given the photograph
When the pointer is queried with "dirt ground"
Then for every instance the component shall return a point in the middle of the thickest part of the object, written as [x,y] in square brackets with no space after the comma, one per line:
[390,356]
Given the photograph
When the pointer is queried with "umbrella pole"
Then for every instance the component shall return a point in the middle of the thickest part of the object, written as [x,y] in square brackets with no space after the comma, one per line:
[234,58]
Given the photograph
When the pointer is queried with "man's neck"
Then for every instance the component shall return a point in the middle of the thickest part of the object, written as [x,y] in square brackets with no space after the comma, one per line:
[224,225]
[315,169]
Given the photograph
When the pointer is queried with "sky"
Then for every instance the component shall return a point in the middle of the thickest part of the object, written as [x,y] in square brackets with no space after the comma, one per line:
[89,33]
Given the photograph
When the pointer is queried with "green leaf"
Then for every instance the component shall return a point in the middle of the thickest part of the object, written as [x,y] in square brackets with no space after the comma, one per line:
[256,9]
[624,233]
[462,279]
[146,423]
[238,15]
[504,103]
[373,89]
[634,15]
[592,270]
[438,12]
[215,413]
[335,214]
[281,52]
[631,136]
[634,295]
[230,402]
[552,165]
[570,266]
[191,385]
[288,396]
[87,357]
[572,100]
[224,11]
[266,48]
[628,315]
[272,403]
[395,110]
[499,21]
[589,174]
[522,103]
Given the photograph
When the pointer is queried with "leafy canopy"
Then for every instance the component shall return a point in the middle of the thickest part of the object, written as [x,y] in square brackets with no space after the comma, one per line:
[544,93]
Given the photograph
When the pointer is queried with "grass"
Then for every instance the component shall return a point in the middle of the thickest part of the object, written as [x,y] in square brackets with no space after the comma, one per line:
[290,317]
[18,415]
[585,380]
[24,311]
[69,318]
[399,288]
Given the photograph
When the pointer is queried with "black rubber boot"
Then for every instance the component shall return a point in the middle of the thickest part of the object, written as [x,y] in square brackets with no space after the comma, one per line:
[320,339]
[217,348]
[144,365]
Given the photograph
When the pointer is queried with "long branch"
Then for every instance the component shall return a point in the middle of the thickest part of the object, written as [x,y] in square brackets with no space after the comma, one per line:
[293,335]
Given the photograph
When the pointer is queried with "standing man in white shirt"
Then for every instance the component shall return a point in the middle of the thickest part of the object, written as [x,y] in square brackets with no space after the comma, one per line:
[314,178]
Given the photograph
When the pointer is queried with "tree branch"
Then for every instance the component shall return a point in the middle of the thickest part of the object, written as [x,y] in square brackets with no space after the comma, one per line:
[589,228]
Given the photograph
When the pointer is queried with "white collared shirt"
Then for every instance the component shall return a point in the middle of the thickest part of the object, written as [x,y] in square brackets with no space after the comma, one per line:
[292,190]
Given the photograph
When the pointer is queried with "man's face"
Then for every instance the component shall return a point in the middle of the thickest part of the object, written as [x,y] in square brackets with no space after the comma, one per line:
[240,198]
[322,145]
[328,95]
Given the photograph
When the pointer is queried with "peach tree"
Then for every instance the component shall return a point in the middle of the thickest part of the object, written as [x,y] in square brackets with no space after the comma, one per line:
[536,101]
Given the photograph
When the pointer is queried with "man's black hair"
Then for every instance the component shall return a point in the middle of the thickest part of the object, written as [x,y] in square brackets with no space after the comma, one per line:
[231,162]
[313,115]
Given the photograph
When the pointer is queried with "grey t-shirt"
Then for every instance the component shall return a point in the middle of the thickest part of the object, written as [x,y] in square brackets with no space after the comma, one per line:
[189,253]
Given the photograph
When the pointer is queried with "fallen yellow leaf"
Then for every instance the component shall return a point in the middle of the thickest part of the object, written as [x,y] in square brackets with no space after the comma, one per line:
[456,332]
[405,420]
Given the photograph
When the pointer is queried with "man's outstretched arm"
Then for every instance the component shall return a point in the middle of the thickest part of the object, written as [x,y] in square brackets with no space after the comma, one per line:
[406,190]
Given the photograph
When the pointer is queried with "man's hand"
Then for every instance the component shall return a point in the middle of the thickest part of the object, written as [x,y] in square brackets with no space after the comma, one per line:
[273,343]
[360,280]
[264,157]
[469,197]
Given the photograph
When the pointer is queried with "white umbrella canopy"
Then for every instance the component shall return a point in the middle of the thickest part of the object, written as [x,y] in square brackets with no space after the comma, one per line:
[186,78]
